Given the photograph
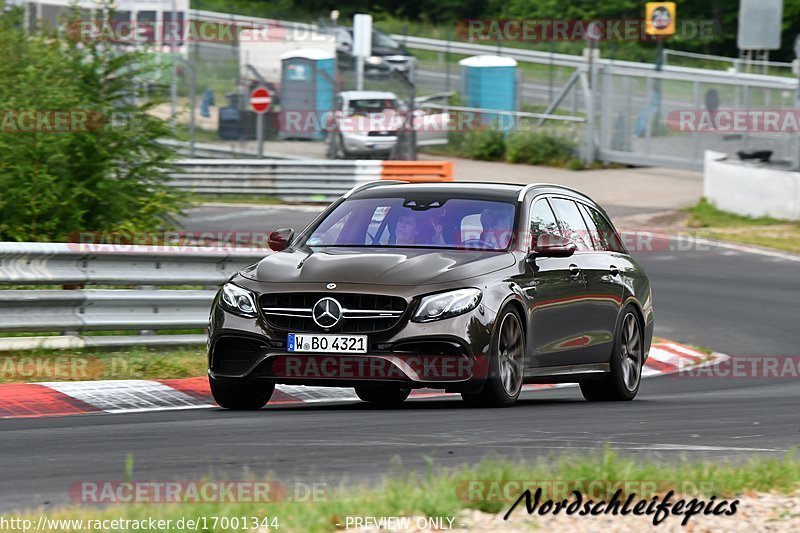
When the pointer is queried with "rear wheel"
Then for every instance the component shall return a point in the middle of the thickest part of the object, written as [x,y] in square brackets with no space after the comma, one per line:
[626,364]
[383,395]
[506,363]
[243,395]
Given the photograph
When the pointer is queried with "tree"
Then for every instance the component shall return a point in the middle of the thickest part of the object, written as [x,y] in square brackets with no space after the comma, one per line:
[78,150]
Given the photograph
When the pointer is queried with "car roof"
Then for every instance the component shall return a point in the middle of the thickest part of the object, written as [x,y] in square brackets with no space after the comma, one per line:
[353,95]
[472,189]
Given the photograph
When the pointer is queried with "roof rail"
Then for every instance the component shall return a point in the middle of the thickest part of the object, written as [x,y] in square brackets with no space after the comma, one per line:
[530,186]
[371,184]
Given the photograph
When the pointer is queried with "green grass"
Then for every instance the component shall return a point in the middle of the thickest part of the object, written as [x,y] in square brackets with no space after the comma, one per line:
[200,135]
[761,231]
[137,362]
[440,492]
[706,215]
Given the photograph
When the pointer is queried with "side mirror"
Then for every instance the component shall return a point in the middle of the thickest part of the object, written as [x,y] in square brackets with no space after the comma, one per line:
[280,239]
[552,245]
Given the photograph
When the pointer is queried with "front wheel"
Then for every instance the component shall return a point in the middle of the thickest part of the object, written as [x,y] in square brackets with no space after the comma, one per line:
[241,396]
[627,360]
[506,364]
[383,395]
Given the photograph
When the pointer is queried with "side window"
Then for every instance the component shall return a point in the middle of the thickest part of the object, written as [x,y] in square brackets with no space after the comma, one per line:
[542,220]
[594,233]
[606,236]
[572,225]
[344,38]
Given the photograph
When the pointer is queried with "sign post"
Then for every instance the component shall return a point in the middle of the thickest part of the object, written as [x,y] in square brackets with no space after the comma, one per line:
[260,100]
[660,23]
[362,45]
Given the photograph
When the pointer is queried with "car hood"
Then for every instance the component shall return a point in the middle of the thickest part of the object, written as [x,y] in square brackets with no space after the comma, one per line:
[385,266]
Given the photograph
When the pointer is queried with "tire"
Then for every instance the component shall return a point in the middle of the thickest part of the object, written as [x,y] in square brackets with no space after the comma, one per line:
[383,395]
[506,364]
[242,396]
[627,359]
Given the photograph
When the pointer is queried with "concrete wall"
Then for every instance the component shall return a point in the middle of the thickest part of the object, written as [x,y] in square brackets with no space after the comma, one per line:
[750,189]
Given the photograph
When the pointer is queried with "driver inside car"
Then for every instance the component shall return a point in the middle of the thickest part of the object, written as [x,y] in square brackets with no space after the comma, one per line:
[496,224]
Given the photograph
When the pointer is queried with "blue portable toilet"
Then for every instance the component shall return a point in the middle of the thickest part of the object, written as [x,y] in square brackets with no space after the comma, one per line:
[307,87]
[490,82]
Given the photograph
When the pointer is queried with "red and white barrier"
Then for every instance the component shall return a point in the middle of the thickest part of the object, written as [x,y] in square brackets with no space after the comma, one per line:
[28,400]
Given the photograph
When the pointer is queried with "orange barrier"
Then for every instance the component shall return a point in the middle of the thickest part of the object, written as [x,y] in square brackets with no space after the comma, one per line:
[417,171]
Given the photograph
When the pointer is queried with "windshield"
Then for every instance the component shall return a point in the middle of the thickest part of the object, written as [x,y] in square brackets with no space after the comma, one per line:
[381,40]
[419,222]
[371,106]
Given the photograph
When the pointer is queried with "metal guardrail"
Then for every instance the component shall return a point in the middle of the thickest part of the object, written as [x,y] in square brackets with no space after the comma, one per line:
[314,180]
[103,309]
[515,114]
[31,263]
[573,61]
[216,151]
[307,180]
[91,310]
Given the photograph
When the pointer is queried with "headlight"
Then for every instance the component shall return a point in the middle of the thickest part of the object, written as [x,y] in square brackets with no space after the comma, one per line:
[446,305]
[237,300]
[374,60]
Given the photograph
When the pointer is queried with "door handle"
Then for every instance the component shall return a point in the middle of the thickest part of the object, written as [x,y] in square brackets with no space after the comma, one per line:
[574,270]
[614,270]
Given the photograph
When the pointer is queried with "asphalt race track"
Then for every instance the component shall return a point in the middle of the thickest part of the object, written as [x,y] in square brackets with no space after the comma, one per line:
[733,301]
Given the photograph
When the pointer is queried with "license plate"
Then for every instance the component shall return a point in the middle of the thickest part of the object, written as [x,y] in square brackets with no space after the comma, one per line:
[303,342]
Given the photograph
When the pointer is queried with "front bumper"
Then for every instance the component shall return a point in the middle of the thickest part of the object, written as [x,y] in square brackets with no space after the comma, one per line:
[367,144]
[448,354]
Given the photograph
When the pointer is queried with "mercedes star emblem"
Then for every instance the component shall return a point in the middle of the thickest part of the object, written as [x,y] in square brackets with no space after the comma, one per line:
[326,313]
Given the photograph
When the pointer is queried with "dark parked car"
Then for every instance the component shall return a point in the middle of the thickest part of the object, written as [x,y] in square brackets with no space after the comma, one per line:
[387,56]
[474,288]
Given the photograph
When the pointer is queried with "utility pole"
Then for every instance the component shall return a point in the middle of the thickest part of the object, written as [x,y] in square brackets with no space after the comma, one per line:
[796,158]
[174,55]
[406,146]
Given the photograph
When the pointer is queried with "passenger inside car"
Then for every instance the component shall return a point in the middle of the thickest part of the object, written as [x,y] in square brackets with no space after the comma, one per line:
[418,229]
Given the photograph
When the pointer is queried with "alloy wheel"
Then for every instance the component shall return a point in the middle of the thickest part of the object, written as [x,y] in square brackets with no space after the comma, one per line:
[510,354]
[631,352]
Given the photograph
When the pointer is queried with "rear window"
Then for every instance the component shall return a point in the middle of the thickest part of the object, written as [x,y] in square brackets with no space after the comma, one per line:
[370,106]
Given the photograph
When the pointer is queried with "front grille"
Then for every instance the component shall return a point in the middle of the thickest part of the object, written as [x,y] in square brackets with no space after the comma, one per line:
[362,313]
[381,134]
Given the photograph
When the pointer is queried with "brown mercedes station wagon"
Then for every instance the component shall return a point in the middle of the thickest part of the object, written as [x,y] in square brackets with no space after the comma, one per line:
[475,288]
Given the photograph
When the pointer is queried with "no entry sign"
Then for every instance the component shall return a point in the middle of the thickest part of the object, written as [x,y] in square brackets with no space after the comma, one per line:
[260,100]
